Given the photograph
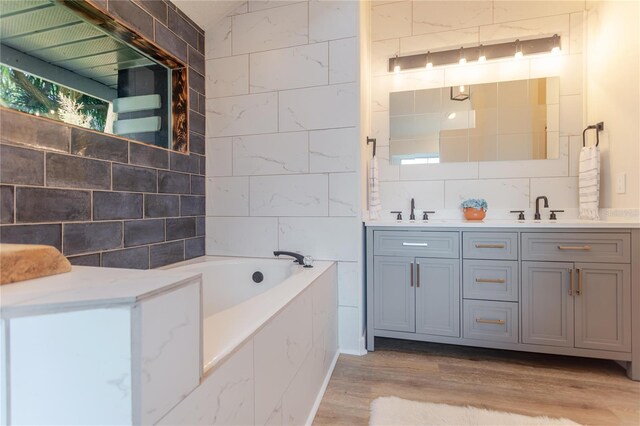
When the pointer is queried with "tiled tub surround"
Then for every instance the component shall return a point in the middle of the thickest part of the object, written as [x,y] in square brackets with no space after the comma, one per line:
[268,352]
[102,200]
[114,341]
[410,27]
[196,344]
[283,169]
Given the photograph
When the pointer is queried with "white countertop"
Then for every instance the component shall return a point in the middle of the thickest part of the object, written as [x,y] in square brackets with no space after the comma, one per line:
[86,287]
[622,223]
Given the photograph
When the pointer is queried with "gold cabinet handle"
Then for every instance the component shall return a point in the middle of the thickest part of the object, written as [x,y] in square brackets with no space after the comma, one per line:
[579,289]
[585,248]
[491,280]
[416,244]
[411,283]
[571,282]
[418,274]
[488,321]
[490,246]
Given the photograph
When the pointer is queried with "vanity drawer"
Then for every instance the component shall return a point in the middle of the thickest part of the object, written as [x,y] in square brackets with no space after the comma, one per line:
[490,245]
[425,244]
[490,280]
[581,247]
[493,321]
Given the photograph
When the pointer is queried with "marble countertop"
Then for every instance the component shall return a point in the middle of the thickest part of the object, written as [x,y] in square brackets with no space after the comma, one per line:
[87,287]
[497,223]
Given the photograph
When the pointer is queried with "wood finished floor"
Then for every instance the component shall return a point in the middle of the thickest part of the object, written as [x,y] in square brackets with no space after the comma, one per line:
[587,391]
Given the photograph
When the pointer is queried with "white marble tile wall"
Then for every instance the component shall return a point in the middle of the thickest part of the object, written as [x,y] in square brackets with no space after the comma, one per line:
[417,26]
[283,151]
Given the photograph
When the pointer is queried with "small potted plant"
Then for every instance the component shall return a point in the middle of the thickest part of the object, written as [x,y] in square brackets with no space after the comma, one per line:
[474,208]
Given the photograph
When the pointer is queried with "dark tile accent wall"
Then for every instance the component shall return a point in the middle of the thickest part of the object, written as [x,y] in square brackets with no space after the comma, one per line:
[104,200]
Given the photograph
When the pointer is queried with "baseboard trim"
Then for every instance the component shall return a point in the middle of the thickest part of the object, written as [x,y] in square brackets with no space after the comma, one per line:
[323,389]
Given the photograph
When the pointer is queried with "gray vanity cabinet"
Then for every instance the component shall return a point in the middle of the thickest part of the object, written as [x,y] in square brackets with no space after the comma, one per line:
[438,297]
[603,307]
[547,307]
[566,291]
[581,305]
[394,294]
[576,290]
[416,283]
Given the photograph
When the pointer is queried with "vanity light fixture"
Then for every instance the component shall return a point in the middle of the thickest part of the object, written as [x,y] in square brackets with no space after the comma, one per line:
[481,53]
[518,54]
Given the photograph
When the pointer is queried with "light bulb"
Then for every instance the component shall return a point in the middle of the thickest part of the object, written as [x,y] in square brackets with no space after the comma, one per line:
[429,62]
[461,89]
[451,116]
[482,58]
[462,61]
[429,65]
[518,54]
[396,69]
[556,44]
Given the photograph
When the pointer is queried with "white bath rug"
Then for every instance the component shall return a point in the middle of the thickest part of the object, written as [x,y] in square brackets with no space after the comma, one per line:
[393,411]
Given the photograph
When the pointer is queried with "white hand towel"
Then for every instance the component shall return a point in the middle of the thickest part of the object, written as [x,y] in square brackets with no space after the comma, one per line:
[374,190]
[589,182]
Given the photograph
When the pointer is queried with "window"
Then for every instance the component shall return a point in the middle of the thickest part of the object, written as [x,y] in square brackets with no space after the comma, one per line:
[70,62]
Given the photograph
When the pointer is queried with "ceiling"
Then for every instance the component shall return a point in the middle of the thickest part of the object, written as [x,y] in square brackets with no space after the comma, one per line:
[207,13]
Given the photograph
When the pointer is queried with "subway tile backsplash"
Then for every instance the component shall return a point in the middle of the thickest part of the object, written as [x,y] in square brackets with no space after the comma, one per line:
[103,200]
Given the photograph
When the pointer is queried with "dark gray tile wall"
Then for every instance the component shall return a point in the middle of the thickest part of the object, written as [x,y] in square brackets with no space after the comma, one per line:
[104,200]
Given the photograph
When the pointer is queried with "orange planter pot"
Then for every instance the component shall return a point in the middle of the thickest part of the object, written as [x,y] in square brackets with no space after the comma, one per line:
[474,214]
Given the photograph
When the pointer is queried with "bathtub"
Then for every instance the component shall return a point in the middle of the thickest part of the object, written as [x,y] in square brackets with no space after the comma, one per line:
[269,341]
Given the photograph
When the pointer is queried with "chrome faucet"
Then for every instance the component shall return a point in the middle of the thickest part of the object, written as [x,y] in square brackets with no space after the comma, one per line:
[299,258]
[546,205]
[412,216]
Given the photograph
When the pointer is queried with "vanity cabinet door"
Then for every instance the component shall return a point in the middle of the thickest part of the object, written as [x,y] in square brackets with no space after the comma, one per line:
[394,293]
[603,307]
[547,307]
[438,297]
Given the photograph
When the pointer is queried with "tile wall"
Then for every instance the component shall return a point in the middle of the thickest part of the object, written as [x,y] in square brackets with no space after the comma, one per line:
[102,200]
[405,27]
[282,138]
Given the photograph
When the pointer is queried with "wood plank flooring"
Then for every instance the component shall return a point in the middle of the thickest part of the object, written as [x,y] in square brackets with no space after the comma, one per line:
[587,391]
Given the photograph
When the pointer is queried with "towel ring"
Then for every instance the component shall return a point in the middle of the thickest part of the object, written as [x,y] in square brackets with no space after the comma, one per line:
[598,127]
[373,141]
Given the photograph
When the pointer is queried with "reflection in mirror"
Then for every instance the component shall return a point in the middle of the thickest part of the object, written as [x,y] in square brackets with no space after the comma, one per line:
[510,120]
[58,65]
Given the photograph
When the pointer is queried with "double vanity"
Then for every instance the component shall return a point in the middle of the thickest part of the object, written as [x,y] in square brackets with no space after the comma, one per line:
[569,288]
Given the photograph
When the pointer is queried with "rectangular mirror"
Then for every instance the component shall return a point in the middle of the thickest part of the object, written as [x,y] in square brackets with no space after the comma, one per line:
[60,61]
[510,120]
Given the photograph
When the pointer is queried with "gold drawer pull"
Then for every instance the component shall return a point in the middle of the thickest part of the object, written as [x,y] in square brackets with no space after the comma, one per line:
[574,247]
[415,244]
[490,280]
[490,246]
[488,321]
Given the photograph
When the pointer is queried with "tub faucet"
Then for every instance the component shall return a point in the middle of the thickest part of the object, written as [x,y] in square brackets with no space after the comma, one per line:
[299,258]
[412,216]
[546,205]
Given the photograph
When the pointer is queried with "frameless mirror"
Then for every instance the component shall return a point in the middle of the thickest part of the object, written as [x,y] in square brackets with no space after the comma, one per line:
[71,66]
[510,120]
